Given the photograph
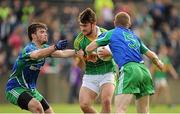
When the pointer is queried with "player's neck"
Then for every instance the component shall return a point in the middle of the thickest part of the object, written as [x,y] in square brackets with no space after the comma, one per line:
[93,35]
[38,45]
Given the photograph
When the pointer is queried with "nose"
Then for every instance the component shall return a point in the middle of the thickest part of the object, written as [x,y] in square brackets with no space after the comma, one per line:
[46,34]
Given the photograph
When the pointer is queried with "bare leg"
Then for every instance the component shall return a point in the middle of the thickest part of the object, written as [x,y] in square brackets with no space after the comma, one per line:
[86,97]
[143,105]
[35,106]
[106,97]
[121,102]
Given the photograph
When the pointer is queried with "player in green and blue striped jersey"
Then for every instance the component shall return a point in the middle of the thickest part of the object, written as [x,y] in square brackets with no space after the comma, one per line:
[21,86]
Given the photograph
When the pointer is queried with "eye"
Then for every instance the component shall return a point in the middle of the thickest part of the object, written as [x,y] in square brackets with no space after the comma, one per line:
[42,31]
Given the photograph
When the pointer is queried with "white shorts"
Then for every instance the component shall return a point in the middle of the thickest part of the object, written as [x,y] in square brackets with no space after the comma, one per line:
[94,82]
[161,82]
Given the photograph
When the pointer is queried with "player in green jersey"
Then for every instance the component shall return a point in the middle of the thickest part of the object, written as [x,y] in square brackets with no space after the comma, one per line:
[99,77]
[21,86]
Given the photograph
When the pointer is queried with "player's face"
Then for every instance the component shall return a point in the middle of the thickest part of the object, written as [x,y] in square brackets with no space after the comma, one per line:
[42,35]
[86,28]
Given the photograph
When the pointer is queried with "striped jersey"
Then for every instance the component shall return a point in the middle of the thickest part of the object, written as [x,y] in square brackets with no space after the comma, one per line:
[25,70]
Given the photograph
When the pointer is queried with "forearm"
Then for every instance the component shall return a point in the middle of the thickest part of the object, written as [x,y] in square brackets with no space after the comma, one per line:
[42,53]
[92,46]
[154,58]
[63,54]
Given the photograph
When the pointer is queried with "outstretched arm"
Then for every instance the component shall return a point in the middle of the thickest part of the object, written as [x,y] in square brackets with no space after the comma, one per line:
[41,53]
[154,58]
[63,53]
[45,52]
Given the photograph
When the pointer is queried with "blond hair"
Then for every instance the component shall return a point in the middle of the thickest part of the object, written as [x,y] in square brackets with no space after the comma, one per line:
[122,19]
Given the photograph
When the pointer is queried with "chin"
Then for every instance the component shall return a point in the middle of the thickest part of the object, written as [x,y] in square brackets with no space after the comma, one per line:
[85,33]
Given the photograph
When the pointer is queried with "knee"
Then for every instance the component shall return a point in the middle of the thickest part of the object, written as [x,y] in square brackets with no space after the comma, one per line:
[84,105]
[35,106]
[106,102]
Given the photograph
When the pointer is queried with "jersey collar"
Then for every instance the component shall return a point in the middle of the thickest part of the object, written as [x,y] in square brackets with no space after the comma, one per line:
[122,27]
[98,31]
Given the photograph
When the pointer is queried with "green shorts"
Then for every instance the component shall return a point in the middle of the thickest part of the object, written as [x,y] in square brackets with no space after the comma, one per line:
[13,95]
[135,79]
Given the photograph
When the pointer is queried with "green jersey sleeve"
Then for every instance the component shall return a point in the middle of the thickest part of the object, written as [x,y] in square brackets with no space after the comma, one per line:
[104,38]
[143,48]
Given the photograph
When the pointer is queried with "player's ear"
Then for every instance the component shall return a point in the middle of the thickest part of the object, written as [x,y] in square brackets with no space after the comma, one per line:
[33,35]
[94,23]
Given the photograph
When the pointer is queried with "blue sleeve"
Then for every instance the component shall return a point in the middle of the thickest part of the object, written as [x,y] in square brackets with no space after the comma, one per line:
[25,54]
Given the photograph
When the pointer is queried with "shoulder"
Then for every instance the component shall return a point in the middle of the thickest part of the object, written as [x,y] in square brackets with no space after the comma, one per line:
[79,36]
[110,32]
[29,47]
[26,51]
[78,39]
[106,33]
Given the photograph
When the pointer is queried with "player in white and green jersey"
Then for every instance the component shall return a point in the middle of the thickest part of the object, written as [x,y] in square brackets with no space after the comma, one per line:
[99,77]
[21,86]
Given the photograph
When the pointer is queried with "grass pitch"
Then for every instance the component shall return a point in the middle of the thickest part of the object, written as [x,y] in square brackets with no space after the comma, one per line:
[74,108]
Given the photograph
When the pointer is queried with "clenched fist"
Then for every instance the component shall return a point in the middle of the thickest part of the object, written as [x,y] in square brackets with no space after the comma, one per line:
[60,45]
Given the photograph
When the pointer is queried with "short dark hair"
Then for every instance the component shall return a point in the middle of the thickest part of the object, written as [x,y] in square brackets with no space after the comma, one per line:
[33,28]
[87,16]
[122,19]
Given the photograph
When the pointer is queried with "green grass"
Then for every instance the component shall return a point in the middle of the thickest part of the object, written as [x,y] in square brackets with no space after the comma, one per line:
[74,108]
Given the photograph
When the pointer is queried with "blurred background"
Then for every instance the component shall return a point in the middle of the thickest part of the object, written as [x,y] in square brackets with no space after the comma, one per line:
[157,23]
